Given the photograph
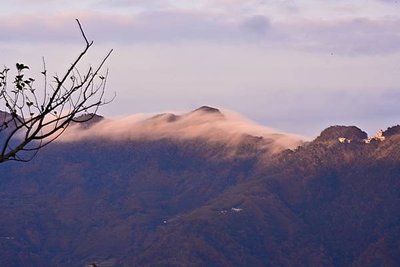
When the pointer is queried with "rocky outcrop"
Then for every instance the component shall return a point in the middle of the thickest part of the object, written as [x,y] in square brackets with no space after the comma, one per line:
[332,133]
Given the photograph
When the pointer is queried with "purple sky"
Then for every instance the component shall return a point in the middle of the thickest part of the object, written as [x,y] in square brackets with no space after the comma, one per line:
[283,63]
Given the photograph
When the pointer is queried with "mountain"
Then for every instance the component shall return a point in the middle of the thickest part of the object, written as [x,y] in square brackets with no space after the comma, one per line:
[151,192]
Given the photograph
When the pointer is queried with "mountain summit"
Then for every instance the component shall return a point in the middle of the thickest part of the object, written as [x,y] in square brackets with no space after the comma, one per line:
[207,109]
[349,132]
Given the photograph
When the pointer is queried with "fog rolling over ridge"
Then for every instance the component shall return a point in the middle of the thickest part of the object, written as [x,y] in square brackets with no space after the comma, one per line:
[207,123]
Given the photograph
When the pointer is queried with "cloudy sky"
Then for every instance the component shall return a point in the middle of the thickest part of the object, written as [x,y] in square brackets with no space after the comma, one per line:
[298,66]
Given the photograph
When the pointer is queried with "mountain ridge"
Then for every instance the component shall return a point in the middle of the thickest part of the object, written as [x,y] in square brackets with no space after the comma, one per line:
[181,202]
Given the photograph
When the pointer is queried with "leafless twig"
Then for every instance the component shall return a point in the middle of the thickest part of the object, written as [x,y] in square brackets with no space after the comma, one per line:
[32,120]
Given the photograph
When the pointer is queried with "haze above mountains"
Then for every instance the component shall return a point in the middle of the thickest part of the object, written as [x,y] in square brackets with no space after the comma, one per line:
[205,188]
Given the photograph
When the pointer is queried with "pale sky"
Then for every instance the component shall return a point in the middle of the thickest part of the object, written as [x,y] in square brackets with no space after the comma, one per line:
[298,66]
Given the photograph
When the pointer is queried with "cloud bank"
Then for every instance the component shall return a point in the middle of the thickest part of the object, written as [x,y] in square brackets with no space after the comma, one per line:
[358,32]
[206,123]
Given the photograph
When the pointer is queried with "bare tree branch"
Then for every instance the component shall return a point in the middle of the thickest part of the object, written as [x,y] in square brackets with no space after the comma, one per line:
[32,119]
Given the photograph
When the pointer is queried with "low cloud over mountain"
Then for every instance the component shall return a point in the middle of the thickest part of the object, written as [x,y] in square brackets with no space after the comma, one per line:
[206,123]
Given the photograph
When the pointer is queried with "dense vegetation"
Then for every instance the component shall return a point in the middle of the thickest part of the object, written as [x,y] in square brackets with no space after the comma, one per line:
[182,203]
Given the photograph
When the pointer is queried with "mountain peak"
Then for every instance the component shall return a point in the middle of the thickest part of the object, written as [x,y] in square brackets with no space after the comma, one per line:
[332,133]
[88,120]
[208,109]
[166,117]
[394,130]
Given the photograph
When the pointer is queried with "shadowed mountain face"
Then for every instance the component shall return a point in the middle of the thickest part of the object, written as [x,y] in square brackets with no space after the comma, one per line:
[193,202]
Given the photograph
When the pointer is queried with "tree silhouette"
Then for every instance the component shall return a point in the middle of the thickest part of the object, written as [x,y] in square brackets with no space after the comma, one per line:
[33,118]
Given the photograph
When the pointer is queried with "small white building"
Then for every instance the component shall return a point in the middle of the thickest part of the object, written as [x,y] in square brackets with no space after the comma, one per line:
[344,140]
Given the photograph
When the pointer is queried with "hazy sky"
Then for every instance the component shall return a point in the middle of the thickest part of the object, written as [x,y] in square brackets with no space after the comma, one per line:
[298,66]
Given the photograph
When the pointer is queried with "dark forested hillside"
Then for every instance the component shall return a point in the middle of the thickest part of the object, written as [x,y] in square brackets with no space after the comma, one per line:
[190,202]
